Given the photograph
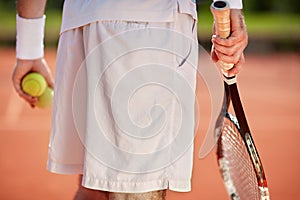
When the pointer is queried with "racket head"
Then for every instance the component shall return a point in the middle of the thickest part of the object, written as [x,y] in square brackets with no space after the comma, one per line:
[241,179]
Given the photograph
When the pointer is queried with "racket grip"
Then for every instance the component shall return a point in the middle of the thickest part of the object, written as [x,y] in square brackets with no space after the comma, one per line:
[221,13]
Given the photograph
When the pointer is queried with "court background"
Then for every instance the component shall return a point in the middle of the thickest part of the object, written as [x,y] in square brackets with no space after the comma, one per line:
[269,87]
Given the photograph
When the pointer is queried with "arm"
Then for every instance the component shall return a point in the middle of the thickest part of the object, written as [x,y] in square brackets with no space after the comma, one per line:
[33,9]
[231,50]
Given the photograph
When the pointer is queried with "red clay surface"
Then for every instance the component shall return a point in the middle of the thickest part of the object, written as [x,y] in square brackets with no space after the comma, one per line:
[270,90]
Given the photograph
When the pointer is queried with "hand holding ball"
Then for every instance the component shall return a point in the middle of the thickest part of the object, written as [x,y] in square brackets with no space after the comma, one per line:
[35,85]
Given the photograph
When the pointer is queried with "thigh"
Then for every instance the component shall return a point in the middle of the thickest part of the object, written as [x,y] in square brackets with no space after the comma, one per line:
[153,195]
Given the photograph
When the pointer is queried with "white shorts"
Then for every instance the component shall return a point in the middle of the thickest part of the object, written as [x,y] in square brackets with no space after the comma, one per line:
[123,111]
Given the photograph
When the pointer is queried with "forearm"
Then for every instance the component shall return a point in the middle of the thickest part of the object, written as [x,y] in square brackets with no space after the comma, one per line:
[31,8]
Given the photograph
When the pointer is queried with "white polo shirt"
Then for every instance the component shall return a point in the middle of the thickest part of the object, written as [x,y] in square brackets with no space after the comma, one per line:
[77,13]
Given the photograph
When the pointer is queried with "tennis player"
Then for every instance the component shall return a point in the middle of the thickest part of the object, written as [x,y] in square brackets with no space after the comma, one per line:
[123,111]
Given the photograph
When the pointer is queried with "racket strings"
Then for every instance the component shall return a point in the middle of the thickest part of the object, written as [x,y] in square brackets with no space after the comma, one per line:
[237,164]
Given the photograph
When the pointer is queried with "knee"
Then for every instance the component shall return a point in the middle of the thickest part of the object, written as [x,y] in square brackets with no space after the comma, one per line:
[153,195]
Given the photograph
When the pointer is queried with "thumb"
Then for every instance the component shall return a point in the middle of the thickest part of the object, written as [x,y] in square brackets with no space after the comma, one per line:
[46,72]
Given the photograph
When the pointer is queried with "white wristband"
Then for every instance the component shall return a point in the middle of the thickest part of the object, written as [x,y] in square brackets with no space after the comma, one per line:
[235,4]
[30,38]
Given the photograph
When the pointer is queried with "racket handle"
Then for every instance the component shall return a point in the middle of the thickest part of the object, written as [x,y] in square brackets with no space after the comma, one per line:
[221,13]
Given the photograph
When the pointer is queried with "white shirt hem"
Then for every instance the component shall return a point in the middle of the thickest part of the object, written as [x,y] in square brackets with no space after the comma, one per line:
[121,185]
[136,187]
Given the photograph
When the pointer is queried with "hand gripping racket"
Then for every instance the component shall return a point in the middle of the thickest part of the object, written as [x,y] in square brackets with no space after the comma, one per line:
[238,159]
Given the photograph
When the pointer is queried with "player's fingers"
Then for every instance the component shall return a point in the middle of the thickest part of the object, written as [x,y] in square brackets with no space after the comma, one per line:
[17,77]
[26,97]
[227,50]
[228,42]
[237,67]
[228,58]
[29,99]
[49,79]
[238,34]
[46,73]
[231,45]
[232,49]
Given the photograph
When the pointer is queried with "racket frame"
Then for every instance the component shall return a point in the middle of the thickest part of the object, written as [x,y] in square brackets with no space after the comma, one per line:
[240,121]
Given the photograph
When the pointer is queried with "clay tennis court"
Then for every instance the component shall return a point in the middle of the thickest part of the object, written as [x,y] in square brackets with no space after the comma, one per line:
[270,89]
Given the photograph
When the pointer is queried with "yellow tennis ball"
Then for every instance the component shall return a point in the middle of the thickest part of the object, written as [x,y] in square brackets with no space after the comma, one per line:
[34,84]
[45,99]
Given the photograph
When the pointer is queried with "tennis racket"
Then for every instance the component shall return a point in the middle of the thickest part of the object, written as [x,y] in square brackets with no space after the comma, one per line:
[238,159]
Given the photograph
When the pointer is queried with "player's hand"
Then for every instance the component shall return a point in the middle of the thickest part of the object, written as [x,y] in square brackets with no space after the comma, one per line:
[230,50]
[22,68]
